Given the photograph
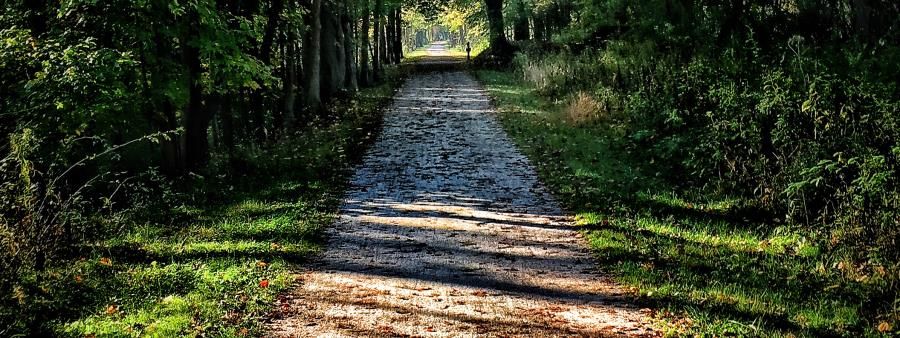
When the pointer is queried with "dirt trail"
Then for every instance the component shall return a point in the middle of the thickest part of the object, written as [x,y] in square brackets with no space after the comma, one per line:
[447,232]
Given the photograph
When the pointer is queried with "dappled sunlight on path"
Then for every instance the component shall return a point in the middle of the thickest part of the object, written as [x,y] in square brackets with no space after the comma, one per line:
[446,231]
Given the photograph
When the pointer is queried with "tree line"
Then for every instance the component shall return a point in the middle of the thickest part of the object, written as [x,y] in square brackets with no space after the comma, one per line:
[248,69]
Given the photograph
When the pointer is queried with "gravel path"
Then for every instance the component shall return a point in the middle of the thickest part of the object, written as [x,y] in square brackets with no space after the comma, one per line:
[447,232]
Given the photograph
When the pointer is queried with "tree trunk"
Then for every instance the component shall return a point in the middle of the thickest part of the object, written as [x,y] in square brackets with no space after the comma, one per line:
[376,37]
[383,44]
[273,14]
[196,117]
[311,57]
[332,55]
[349,52]
[520,26]
[365,76]
[389,36]
[499,44]
[289,96]
[398,35]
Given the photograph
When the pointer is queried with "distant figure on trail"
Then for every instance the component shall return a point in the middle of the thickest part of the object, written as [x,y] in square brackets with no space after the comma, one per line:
[468,51]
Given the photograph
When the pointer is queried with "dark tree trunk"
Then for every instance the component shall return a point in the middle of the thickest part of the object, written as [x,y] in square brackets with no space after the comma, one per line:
[349,52]
[376,38]
[272,14]
[332,54]
[289,89]
[498,43]
[226,111]
[389,36]
[162,109]
[311,57]
[520,26]
[365,76]
[196,117]
[383,44]
[398,35]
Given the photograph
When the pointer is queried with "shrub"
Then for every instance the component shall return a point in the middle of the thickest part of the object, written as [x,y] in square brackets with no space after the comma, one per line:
[584,109]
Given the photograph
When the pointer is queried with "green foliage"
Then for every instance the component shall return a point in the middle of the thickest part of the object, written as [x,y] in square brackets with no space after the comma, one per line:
[115,113]
[708,263]
[203,261]
[754,101]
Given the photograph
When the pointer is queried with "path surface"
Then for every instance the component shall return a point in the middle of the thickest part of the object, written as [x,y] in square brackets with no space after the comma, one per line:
[447,232]
[438,49]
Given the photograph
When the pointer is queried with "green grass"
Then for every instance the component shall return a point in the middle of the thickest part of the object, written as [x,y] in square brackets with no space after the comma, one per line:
[202,269]
[206,272]
[212,262]
[704,263]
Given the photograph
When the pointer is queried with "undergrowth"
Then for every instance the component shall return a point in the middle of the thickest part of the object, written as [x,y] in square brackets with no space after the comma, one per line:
[708,262]
[204,256]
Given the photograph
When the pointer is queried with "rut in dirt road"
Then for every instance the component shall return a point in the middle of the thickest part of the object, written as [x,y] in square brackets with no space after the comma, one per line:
[447,232]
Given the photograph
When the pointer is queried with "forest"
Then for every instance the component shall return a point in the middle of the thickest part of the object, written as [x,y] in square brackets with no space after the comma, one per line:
[166,167]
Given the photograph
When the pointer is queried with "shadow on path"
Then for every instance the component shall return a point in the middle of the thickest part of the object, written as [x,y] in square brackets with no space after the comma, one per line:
[446,231]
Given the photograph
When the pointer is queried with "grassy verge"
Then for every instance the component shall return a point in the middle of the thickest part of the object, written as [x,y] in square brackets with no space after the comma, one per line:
[209,263]
[706,265]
